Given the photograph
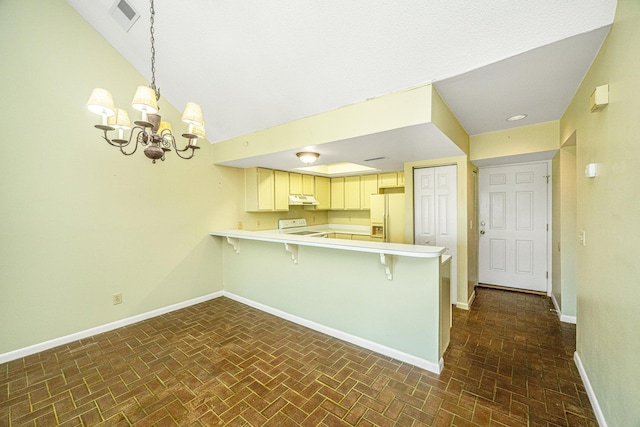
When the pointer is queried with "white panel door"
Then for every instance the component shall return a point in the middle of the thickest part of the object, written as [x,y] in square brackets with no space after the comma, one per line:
[424,195]
[513,226]
[435,216]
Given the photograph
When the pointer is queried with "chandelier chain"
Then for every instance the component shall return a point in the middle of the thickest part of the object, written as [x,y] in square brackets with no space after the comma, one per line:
[153,55]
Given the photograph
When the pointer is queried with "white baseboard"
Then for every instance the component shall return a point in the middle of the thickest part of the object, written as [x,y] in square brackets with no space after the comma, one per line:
[467,305]
[563,317]
[36,348]
[592,396]
[361,342]
[370,345]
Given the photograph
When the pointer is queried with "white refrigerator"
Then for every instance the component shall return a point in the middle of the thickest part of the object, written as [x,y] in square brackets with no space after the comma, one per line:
[387,217]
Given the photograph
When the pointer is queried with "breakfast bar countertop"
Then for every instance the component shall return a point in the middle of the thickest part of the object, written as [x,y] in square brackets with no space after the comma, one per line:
[417,251]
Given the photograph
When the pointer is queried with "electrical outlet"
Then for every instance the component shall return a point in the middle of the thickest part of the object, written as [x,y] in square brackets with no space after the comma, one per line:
[117,298]
[582,237]
[257,223]
[239,225]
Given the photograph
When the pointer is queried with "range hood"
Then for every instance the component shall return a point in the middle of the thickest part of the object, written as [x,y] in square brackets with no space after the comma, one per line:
[297,200]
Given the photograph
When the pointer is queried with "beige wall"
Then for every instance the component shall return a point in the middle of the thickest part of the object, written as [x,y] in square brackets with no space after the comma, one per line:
[608,210]
[80,221]
[515,143]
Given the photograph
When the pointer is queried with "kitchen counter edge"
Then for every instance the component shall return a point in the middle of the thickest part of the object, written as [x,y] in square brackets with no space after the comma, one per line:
[416,251]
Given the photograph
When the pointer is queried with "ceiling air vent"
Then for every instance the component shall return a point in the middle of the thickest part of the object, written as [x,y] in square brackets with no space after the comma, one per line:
[124,14]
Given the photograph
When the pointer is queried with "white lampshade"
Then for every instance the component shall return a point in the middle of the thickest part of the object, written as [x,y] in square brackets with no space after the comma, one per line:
[308,157]
[101,102]
[145,100]
[198,131]
[120,120]
[193,114]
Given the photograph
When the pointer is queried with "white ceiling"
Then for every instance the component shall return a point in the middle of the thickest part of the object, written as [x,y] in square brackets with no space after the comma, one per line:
[255,64]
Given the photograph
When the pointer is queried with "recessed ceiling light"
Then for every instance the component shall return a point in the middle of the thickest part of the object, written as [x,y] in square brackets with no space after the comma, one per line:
[516,117]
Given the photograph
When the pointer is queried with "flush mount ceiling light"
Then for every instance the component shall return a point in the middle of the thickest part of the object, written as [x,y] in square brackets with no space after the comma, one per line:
[307,157]
[516,117]
[150,131]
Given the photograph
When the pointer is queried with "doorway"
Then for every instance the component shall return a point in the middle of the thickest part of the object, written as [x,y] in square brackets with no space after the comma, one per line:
[513,226]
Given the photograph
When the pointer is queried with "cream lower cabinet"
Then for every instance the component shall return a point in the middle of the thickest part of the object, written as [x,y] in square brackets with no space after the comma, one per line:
[343,236]
[362,238]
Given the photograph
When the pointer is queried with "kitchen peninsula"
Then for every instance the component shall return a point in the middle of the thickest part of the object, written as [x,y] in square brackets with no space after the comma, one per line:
[389,298]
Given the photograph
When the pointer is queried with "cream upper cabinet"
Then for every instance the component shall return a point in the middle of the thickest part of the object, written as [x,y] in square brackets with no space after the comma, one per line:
[368,186]
[281,193]
[337,193]
[295,183]
[259,189]
[308,185]
[352,193]
[323,192]
[391,179]
[266,190]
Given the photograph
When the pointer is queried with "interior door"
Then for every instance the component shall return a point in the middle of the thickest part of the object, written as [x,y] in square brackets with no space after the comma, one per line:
[513,226]
[435,213]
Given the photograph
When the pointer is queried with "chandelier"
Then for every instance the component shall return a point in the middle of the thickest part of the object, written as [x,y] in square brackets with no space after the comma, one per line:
[150,131]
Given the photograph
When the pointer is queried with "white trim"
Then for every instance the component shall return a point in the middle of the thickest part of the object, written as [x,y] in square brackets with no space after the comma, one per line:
[361,342]
[467,305]
[592,396]
[46,345]
[550,227]
[563,317]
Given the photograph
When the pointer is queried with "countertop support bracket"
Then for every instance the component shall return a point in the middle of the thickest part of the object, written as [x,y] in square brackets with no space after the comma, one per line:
[235,242]
[387,261]
[293,250]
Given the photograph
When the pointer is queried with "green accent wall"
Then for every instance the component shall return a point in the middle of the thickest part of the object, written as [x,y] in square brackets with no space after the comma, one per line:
[80,221]
[344,290]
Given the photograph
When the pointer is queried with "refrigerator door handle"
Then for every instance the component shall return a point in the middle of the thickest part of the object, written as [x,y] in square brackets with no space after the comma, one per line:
[385,227]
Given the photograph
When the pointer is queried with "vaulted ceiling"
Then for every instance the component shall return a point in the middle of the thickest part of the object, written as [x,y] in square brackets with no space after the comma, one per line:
[255,64]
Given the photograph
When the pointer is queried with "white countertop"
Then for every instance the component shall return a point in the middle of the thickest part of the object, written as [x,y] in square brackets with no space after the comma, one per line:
[417,251]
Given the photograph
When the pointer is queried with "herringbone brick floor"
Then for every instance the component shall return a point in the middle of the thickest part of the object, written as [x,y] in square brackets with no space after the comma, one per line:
[223,363]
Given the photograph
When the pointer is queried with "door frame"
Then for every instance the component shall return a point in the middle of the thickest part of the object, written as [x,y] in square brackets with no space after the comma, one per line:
[549,244]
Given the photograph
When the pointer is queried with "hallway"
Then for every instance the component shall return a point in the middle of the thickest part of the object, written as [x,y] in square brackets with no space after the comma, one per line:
[223,363]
